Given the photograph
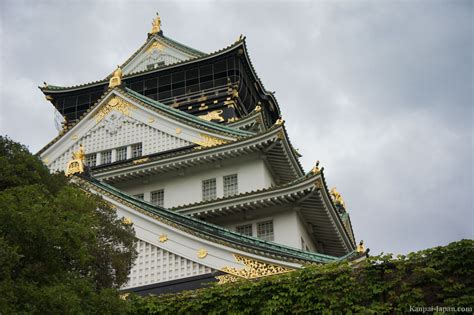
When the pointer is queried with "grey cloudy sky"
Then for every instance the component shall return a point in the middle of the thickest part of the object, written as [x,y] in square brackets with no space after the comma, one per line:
[379,91]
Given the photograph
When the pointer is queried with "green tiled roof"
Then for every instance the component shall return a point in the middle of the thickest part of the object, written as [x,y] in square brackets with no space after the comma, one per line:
[187,116]
[214,231]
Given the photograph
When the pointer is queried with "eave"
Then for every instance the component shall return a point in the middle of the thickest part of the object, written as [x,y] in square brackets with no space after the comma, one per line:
[156,106]
[206,230]
[308,195]
[239,44]
[273,146]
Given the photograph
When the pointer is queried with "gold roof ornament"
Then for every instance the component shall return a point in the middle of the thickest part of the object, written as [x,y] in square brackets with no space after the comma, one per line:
[127,221]
[316,170]
[279,122]
[361,247]
[337,198]
[76,165]
[156,24]
[116,78]
[258,108]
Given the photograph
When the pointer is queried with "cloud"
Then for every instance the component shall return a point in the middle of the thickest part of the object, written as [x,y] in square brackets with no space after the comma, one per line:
[380,92]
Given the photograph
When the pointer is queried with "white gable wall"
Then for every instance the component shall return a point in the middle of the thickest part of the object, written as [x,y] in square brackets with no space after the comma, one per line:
[118,130]
[155,52]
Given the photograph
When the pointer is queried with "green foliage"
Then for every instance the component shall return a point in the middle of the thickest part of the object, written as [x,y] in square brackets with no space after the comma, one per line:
[441,276]
[62,250]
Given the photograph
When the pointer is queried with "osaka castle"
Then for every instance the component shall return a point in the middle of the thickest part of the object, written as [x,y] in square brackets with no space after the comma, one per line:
[191,149]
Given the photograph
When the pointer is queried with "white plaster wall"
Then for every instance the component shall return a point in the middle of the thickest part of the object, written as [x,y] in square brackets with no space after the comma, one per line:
[185,187]
[288,228]
[155,264]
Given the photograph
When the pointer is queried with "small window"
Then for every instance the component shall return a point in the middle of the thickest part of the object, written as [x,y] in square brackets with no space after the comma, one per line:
[245,229]
[91,159]
[265,230]
[158,197]
[209,189]
[136,150]
[106,157]
[139,196]
[122,154]
[230,185]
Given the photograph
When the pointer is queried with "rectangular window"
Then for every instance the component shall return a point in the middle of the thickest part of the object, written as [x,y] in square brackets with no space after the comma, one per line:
[230,185]
[158,197]
[209,189]
[245,229]
[265,230]
[106,157]
[91,159]
[139,196]
[122,154]
[136,150]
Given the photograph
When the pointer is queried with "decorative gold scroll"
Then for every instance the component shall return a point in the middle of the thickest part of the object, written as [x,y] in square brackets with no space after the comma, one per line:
[76,165]
[209,141]
[214,115]
[117,104]
[254,268]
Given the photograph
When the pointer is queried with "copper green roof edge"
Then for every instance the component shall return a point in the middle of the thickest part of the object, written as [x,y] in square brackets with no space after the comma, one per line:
[224,50]
[213,230]
[182,46]
[184,115]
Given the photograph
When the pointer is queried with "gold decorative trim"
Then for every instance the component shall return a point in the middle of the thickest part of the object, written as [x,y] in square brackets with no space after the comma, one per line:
[254,268]
[151,120]
[279,122]
[74,137]
[337,198]
[127,221]
[76,165]
[214,115]
[163,238]
[318,183]
[281,135]
[202,253]
[156,24]
[178,131]
[117,104]
[141,160]
[258,108]
[316,170]
[227,279]
[155,45]
[116,78]
[209,141]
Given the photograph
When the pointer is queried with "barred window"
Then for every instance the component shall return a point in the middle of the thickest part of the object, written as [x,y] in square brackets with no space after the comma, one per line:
[158,197]
[122,154]
[106,157]
[265,230]
[139,196]
[91,159]
[230,185]
[244,229]
[136,150]
[209,189]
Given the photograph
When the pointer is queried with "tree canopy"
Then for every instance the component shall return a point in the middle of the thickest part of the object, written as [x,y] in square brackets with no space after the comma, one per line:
[62,249]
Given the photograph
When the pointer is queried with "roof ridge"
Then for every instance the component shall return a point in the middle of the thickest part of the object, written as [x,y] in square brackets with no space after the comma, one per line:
[204,226]
[146,71]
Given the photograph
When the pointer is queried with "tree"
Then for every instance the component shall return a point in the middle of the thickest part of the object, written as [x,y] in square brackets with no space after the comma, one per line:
[62,249]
